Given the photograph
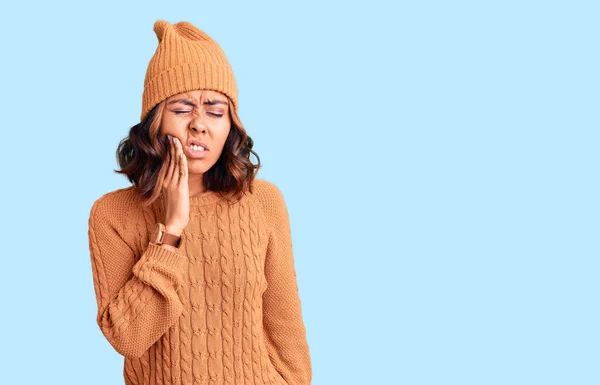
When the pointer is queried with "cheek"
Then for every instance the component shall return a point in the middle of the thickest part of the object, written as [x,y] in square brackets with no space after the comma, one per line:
[173,128]
[166,126]
[223,134]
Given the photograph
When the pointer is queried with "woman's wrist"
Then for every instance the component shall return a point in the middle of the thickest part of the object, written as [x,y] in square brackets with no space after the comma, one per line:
[173,230]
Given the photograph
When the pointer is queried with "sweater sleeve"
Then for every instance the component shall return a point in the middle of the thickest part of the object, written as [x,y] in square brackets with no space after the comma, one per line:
[137,298]
[282,313]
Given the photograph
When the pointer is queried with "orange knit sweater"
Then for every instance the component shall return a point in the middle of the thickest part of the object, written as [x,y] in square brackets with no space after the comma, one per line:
[223,309]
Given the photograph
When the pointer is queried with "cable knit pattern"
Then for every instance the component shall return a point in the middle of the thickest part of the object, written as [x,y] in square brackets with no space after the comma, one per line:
[223,309]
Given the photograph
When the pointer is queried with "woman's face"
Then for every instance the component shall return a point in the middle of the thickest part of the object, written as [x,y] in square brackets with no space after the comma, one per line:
[201,116]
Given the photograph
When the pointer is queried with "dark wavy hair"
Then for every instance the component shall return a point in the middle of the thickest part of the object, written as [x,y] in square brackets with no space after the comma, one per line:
[142,158]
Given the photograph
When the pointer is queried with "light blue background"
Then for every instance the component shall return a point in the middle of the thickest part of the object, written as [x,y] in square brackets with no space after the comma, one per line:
[439,161]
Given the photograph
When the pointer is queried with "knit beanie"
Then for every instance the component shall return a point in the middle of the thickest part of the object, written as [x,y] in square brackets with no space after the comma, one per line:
[186,59]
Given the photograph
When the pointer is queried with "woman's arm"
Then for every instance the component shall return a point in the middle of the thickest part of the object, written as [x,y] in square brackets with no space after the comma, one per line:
[137,301]
[282,313]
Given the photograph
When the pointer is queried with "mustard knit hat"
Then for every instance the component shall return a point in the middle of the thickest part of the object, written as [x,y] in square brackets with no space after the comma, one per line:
[186,59]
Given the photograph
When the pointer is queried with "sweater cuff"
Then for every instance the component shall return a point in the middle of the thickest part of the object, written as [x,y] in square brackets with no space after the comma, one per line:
[163,255]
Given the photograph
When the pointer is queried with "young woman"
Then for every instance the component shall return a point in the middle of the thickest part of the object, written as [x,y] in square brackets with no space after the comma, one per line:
[192,265]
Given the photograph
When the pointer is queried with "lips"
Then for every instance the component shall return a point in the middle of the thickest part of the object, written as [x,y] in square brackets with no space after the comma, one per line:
[197,143]
[191,154]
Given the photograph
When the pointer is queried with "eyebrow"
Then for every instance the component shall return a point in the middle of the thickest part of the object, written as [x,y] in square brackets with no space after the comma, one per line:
[190,103]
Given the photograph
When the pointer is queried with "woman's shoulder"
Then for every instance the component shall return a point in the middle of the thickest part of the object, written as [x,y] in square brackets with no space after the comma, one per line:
[266,192]
[118,204]
[270,199]
[117,218]
[263,188]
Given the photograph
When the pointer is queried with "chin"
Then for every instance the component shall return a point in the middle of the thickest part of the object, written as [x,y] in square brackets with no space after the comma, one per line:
[197,168]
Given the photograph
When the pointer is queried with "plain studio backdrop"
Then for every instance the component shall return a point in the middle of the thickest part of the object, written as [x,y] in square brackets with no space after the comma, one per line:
[439,161]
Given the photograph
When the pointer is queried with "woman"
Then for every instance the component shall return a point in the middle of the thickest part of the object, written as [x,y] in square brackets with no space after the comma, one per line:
[193,267]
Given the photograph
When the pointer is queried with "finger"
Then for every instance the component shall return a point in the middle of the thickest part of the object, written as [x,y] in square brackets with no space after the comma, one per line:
[171,164]
[177,171]
[184,169]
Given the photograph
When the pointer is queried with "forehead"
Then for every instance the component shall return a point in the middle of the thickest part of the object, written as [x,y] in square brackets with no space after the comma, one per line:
[199,95]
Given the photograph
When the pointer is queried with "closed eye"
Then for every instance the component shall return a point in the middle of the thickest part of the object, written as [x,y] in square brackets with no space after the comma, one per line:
[179,112]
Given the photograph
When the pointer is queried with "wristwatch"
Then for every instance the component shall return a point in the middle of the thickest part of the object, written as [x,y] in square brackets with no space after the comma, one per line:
[160,236]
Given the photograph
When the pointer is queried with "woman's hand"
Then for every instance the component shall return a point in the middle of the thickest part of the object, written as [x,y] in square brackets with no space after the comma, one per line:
[176,189]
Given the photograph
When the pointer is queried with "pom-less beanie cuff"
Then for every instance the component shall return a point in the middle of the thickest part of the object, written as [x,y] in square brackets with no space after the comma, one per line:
[186,59]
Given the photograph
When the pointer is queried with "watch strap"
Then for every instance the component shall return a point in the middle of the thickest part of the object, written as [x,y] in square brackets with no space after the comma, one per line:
[161,236]
[171,239]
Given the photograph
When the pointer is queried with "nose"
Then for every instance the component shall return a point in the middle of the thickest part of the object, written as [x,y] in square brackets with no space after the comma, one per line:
[197,124]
